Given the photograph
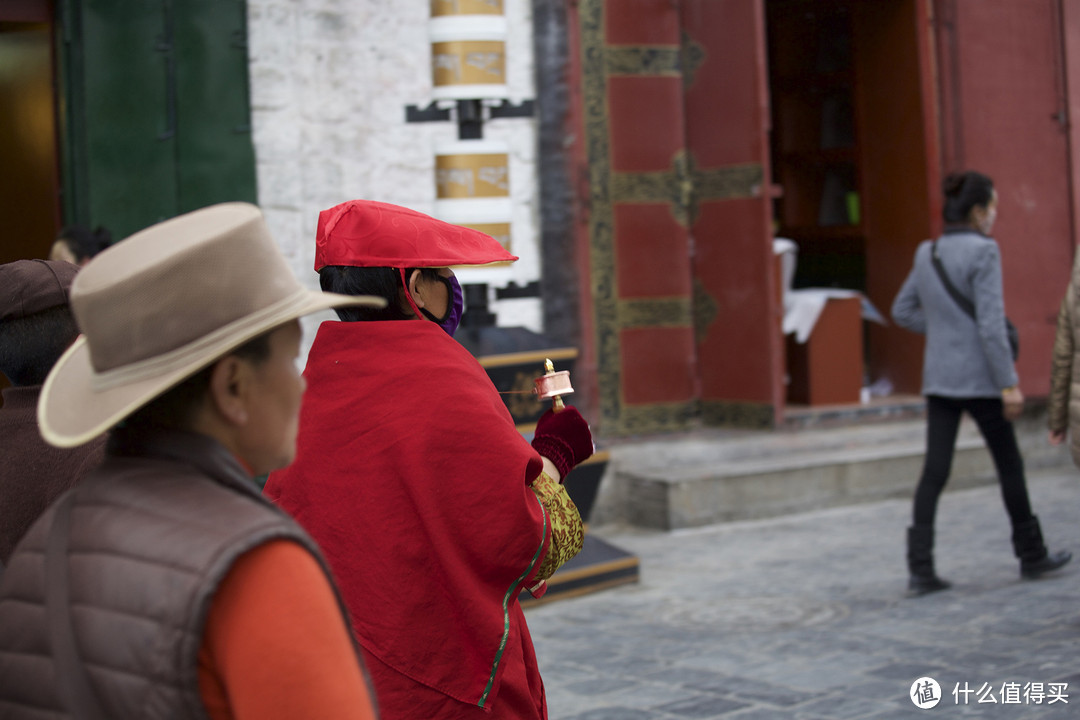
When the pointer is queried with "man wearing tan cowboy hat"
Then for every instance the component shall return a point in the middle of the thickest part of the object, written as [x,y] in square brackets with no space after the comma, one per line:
[36,327]
[163,585]
[432,509]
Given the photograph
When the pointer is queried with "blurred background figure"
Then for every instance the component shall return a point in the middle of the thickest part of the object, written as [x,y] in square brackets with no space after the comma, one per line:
[953,295]
[36,327]
[1063,414]
[76,244]
[163,584]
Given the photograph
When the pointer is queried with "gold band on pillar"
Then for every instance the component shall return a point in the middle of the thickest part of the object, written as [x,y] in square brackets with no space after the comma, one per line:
[440,8]
[479,175]
[468,62]
[468,57]
[472,186]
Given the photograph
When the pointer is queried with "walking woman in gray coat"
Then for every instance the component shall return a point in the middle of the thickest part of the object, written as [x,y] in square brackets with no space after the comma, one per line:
[967,367]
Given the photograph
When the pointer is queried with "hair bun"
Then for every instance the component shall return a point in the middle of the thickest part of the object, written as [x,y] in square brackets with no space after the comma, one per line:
[954,183]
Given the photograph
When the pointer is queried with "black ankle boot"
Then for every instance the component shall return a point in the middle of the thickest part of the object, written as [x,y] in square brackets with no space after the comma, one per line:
[1029,547]
[920,557]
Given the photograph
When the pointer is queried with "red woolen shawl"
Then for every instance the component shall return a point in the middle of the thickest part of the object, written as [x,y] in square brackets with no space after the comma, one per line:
[412,478]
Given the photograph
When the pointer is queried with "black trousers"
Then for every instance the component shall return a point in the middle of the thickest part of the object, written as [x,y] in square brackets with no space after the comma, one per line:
[942,424]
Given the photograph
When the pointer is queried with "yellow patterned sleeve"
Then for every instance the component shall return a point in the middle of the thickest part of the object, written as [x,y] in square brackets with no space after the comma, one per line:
[567,530]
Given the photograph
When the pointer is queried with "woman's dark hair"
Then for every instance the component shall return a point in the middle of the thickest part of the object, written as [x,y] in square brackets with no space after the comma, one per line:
[31,345]
[964,191]
[83,243]
[382,282]
[176,408]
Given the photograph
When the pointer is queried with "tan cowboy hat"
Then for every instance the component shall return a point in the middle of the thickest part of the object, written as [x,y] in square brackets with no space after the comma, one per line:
[163,304]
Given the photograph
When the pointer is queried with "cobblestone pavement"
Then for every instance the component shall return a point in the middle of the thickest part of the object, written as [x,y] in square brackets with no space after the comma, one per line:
[805,616]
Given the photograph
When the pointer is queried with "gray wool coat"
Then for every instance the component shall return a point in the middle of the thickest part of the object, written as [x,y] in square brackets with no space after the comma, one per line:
[963,358]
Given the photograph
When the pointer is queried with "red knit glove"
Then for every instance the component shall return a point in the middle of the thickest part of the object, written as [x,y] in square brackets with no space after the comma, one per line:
[563,438]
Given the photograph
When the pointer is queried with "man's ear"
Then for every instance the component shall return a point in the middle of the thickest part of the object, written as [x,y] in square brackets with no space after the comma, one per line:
[228,389]
[414,285]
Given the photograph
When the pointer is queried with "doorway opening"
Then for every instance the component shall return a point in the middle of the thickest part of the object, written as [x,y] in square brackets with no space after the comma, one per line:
[853,152]
[29,183]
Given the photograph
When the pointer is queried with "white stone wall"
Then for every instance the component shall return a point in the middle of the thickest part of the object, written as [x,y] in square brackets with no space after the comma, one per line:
[330,80]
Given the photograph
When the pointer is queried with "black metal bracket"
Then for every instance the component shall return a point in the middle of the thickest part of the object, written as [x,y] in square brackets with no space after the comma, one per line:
[513,290]
[470,115]
[414,114]
[507,109]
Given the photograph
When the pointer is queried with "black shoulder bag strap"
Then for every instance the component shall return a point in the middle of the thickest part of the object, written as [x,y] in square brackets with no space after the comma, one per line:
[969,307]
[965,304]
[73,682]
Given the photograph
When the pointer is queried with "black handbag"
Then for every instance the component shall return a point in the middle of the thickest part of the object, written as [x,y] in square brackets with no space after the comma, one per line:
[969,307]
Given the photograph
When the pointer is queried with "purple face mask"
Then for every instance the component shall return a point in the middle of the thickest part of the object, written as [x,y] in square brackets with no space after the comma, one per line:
[449,322]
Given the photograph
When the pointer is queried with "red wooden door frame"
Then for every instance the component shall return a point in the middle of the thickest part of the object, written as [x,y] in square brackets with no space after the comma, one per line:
[679,299]
[737,309]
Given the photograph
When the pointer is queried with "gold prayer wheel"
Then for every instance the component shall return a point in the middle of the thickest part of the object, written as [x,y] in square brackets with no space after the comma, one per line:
[472,174]
[440,8]
[468,57]
[472,187]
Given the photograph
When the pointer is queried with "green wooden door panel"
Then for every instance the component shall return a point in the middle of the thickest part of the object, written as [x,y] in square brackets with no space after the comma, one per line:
[157,114]
[216,159]
[130,138]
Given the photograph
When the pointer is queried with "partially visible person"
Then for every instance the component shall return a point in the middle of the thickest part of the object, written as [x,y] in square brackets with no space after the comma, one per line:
[1063,415]
[77,244]
[433,510]
[36,327]
[968,367]
[163,584]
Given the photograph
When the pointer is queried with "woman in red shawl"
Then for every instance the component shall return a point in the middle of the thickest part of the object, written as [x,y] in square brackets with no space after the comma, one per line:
[433,511]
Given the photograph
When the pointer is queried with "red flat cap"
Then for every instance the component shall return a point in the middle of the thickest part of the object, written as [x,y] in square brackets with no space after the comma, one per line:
[365,233]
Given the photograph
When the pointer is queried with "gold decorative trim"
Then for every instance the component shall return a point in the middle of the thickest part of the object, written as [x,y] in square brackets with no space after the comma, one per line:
[601,216]
[726,183]
[652,418]
[670,187]
[661,60]
[681,61]
[466,7]
[706,310]
[722,413]
[684,187]
[692,56]
[655,312]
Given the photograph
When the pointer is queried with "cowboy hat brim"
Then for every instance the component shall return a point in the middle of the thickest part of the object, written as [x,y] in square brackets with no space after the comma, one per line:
[76,406]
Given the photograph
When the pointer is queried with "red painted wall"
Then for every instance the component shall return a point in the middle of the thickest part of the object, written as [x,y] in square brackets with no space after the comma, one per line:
[1005,68]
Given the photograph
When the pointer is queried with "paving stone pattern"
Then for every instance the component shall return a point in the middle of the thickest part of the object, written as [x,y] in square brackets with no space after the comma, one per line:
[805,616]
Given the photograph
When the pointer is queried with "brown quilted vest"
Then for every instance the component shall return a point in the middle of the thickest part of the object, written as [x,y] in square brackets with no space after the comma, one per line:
[151,535]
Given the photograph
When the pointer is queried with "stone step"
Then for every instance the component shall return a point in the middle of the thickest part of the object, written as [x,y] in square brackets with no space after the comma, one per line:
[710,477]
